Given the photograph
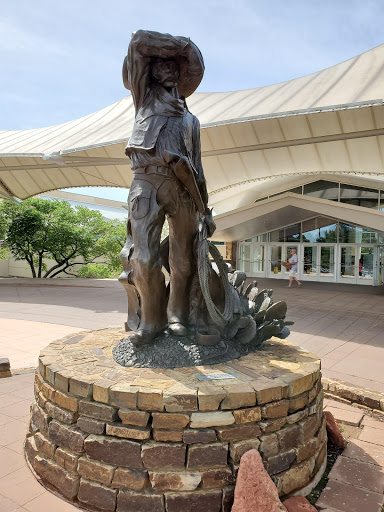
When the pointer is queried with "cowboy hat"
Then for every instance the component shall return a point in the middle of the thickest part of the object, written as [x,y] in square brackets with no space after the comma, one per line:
[190,75]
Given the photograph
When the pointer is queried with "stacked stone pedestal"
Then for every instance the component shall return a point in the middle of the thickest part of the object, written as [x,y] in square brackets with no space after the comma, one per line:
[137,440]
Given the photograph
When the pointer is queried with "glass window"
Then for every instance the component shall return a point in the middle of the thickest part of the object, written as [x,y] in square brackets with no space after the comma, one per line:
[296,190]
[276,259]
[323,190]
[258,258]
[310,260]
[327,261]
[359,196]
[258,238]
[245,254]
[366,262]
[319,230]
[347,263]
[288,234]
[356,234]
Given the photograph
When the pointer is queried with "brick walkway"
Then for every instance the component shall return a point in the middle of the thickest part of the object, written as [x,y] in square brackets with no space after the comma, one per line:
[356,481]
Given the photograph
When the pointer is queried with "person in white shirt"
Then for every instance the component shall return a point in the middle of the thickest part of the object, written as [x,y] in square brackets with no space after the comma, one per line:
[293,270]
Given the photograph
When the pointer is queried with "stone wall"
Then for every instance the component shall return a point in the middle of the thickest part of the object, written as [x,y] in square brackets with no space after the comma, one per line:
[127,446]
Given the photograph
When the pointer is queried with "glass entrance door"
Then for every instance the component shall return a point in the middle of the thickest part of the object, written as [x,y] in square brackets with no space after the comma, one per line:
[327,263]
[347,266]
[309,263]
[366,258]
[275,255]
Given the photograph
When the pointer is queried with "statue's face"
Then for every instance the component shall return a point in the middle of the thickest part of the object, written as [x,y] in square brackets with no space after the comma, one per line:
[165,72]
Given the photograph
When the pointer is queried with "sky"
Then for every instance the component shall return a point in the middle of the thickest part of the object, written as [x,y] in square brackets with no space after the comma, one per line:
[62,60]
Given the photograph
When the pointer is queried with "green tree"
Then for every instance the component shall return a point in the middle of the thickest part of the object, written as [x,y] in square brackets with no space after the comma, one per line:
[38,229]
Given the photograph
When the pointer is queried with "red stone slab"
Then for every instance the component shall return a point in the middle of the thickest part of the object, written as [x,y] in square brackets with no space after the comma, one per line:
[365,452]
[347,498]
[372,435]
[359,474]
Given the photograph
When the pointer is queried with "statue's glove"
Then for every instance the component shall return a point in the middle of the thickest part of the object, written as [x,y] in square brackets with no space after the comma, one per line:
[209,222]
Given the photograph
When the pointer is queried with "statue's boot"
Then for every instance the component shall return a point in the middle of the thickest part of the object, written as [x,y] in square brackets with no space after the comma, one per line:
[178,329]
[142,338]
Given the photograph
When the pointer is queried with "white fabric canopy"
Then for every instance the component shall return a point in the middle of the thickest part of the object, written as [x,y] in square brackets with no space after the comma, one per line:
[253,141]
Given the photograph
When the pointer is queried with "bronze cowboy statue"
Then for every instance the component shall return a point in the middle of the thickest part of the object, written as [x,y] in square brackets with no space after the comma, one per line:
[161,71]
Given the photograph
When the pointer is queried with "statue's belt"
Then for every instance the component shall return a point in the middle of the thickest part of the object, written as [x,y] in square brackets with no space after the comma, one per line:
[154,169]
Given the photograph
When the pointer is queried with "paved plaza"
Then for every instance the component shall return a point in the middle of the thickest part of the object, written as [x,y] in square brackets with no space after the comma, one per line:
[343,324]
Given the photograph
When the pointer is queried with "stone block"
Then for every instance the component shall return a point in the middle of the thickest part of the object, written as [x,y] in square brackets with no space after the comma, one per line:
[237,450]
[130,501]
[352,418]
[80,388]
[95,471]
[62,415]
[66,401]
[117,452]
[269,445]
[38,379]
[57,476]
[249,415]
[90,425]
[298,403]
[275,409]
[272,425]
[192,436]
[132,417]
[168,436]
[123,395]
[238,432]
[180,398]
[161,455]
[40,399]
[169,421]
[181,481]
[40,419]
[5,368]
[265,393]
[298,504]
[210,397]
[48,391]
[310,426]
[96,495]
[30,449]
[307,450]
[207,455]
[216,478]
[203,501]
[211,419]
[238,395]
[62,381]
[150,400]
[130,478]
[295,478]
[289,437]
[71,438]
[228,496]
[44,446]
[101,390]
[301,384]
[66,459]
[97,411]
[313,392]
[297,416]
[127,432]
[280,462]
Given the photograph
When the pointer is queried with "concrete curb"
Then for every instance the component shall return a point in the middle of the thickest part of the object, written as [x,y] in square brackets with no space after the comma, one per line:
[359,396]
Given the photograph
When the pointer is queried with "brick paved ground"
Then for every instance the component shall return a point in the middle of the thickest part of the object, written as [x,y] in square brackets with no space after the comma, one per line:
[356,481]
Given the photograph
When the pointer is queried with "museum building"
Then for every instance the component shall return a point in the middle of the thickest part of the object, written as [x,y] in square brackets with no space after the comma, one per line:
[299,164]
